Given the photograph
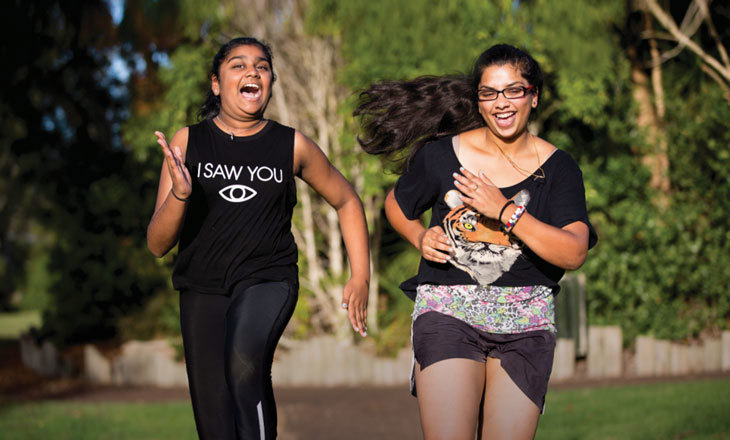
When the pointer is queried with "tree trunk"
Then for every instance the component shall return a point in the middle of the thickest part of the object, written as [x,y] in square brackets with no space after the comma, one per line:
[306,96]
[648,94]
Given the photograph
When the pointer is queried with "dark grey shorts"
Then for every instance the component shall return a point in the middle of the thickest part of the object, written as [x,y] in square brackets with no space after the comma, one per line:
[526,357]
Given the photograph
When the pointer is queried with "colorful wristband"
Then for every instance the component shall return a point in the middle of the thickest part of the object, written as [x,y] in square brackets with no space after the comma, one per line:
[513,220]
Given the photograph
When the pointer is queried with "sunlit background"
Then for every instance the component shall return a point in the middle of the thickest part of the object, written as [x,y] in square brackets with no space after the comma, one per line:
[638,92]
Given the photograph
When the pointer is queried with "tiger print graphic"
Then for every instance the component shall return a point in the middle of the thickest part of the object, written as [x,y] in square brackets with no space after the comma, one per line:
[481,249]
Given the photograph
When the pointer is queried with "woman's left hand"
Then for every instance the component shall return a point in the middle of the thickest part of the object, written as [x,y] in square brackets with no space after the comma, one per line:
[480,193]
[355,301]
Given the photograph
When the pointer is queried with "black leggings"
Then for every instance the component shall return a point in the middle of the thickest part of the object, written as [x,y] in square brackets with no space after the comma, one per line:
[229,347]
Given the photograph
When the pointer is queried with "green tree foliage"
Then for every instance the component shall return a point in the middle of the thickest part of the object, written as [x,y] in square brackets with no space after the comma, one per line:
[64,165]
[403,39]
[174,39]
[661,271]
[67,168]
[182,89]
[106,270]
[45,116]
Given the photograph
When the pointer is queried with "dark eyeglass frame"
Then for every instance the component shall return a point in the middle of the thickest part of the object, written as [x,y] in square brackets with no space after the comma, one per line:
[525,91]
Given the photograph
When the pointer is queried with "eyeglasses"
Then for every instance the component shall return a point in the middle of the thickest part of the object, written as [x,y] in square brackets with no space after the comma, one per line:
[514,92]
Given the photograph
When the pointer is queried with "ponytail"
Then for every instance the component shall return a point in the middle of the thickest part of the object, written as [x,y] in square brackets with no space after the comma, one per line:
[404,115]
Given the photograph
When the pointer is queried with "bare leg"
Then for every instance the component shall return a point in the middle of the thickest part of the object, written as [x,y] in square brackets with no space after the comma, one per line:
[507,412]
[449,393]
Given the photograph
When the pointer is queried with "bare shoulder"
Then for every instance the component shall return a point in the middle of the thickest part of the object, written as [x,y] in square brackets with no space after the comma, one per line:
[302,141]
[544,148]
[472,140]
[304,151]
[472,137]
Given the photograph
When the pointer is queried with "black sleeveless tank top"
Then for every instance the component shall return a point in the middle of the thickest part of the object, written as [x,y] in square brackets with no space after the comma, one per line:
[238,223]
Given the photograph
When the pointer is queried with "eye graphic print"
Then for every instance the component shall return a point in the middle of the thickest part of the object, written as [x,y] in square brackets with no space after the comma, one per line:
[468,226]
[237,193]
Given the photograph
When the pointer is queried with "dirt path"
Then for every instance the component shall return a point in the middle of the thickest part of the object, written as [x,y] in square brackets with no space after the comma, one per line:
[348,413]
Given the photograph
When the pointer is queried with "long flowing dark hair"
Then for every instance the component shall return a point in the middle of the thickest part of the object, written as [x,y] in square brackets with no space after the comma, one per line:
[400,116]
[212,105]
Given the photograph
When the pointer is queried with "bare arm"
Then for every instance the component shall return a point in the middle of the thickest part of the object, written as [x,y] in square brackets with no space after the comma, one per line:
[167,220]
[315,169]
[432,243]
[565,247]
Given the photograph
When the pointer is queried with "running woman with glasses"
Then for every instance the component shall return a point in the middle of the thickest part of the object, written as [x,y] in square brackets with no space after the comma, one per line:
[508,218]
[226,195]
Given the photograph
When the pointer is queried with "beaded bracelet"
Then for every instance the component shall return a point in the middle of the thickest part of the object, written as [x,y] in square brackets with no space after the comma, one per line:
[516,216]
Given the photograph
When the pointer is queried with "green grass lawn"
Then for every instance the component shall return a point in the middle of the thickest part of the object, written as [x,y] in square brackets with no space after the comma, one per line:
[13,324]
[86,421]
[687,410]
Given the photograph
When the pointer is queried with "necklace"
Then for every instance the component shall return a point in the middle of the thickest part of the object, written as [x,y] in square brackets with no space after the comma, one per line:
[224,124]
[541,172]
[230,132]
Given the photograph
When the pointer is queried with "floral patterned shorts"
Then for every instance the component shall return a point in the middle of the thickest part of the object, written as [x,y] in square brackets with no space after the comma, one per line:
[489,308]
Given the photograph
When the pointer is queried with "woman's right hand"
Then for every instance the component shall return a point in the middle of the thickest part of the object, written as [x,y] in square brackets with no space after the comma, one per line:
[181,182]
[435,245]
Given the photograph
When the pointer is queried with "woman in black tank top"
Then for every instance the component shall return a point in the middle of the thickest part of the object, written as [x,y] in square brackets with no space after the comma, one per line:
[226,195]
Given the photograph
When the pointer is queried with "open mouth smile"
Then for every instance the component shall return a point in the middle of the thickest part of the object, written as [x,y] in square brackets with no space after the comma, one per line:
[505,119]
[251,91]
